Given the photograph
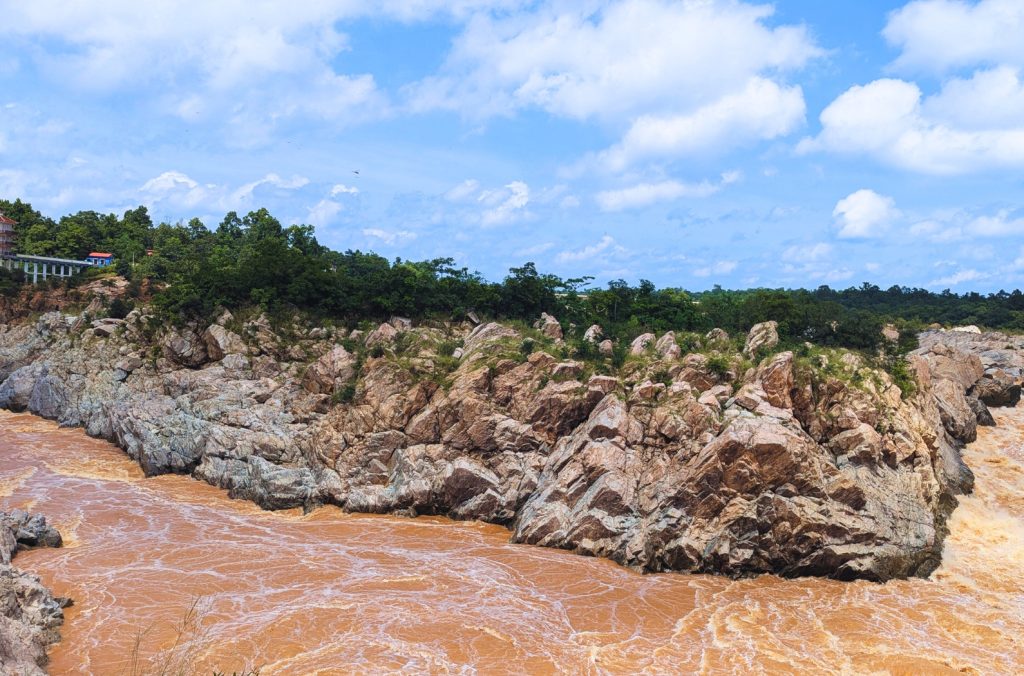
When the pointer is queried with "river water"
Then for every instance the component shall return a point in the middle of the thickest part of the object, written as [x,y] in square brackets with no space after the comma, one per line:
[169,574]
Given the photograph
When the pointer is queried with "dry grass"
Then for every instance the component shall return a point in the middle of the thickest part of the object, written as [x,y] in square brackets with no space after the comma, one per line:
[191,637]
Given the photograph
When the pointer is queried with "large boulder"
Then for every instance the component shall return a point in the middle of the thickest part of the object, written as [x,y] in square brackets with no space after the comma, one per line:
[186,348]
[997,388]
[593,334]
[641,343]
[385,333]
[666,347]
[761,338]
[549,326]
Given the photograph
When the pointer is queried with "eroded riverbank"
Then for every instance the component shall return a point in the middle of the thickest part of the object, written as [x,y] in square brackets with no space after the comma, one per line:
[330,592]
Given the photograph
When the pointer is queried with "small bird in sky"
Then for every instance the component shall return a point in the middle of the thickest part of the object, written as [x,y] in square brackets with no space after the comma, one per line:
[355,171]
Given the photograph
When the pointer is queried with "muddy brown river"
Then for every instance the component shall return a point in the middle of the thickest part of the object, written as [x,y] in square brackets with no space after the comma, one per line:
[169,574]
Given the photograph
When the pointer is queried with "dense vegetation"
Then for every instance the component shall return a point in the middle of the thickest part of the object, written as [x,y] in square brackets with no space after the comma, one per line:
[255,260]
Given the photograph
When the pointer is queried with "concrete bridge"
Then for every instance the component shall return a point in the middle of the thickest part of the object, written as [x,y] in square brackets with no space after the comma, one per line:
[43,267]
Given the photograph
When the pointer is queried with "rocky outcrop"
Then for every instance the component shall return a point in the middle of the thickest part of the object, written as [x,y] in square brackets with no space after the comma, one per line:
[30,616]
[997,361]
[549,326]
[797,466]
[762,337]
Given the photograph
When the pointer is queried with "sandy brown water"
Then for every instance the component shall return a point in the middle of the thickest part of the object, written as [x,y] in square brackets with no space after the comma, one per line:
[330,593]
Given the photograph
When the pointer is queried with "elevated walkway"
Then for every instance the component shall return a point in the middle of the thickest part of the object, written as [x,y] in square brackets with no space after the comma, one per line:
[43,267]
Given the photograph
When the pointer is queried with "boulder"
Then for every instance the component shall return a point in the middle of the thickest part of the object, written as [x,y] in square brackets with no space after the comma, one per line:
[776,378]
[666,347]
[549,326]
[981,412]
[641,343]
[593,334]
[401,323]
[385,333]
[606,348]
[221,342]
[996,388]
[30,616]
[185,348]
[762,337]
[716,335]
[330,373]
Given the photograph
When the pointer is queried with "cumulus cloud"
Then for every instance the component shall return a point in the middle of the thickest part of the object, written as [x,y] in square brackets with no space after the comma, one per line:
[250,64]
[959,277]
[645,194]
[180,191]
[886,119]
[938,35]
[761,110]
[972,123]
[717,268]
[463,191]
[864,214]
[703,75]
[342,189]
[605,244]
[807,252]
[390,237]
[958,226]
[245,193]
[505,206]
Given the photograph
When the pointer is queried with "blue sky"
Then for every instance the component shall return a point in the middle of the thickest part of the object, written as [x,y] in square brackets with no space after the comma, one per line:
[692,143]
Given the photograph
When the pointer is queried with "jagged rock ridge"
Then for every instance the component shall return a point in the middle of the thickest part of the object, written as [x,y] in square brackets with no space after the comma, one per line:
[798,464]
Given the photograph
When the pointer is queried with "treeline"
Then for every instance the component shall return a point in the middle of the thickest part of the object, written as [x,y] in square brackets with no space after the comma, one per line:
[254,259]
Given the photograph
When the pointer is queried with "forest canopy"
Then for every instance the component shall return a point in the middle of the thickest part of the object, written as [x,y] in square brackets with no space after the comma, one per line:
[255,260]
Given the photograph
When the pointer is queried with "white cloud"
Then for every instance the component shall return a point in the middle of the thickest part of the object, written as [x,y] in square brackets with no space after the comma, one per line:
[938,35]
[807,252]
[864,214]
[1000,225]
[761,110]
[886,119]
[323,212]
[506,205]
[959,226]
[535,249]
[988,99]
[14,182]
[606,243]
[175,187]
[717,268]
[181,192]
[587,60]
[463,191]
[342,189]
[390,237]
[245,192]
[645,194]
[958,277]
[973,123]
[696,75]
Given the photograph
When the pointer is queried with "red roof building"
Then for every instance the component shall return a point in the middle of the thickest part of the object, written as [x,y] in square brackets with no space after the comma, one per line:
[100,259]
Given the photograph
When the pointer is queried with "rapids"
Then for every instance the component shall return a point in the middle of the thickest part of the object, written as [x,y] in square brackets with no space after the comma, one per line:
[329,592]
